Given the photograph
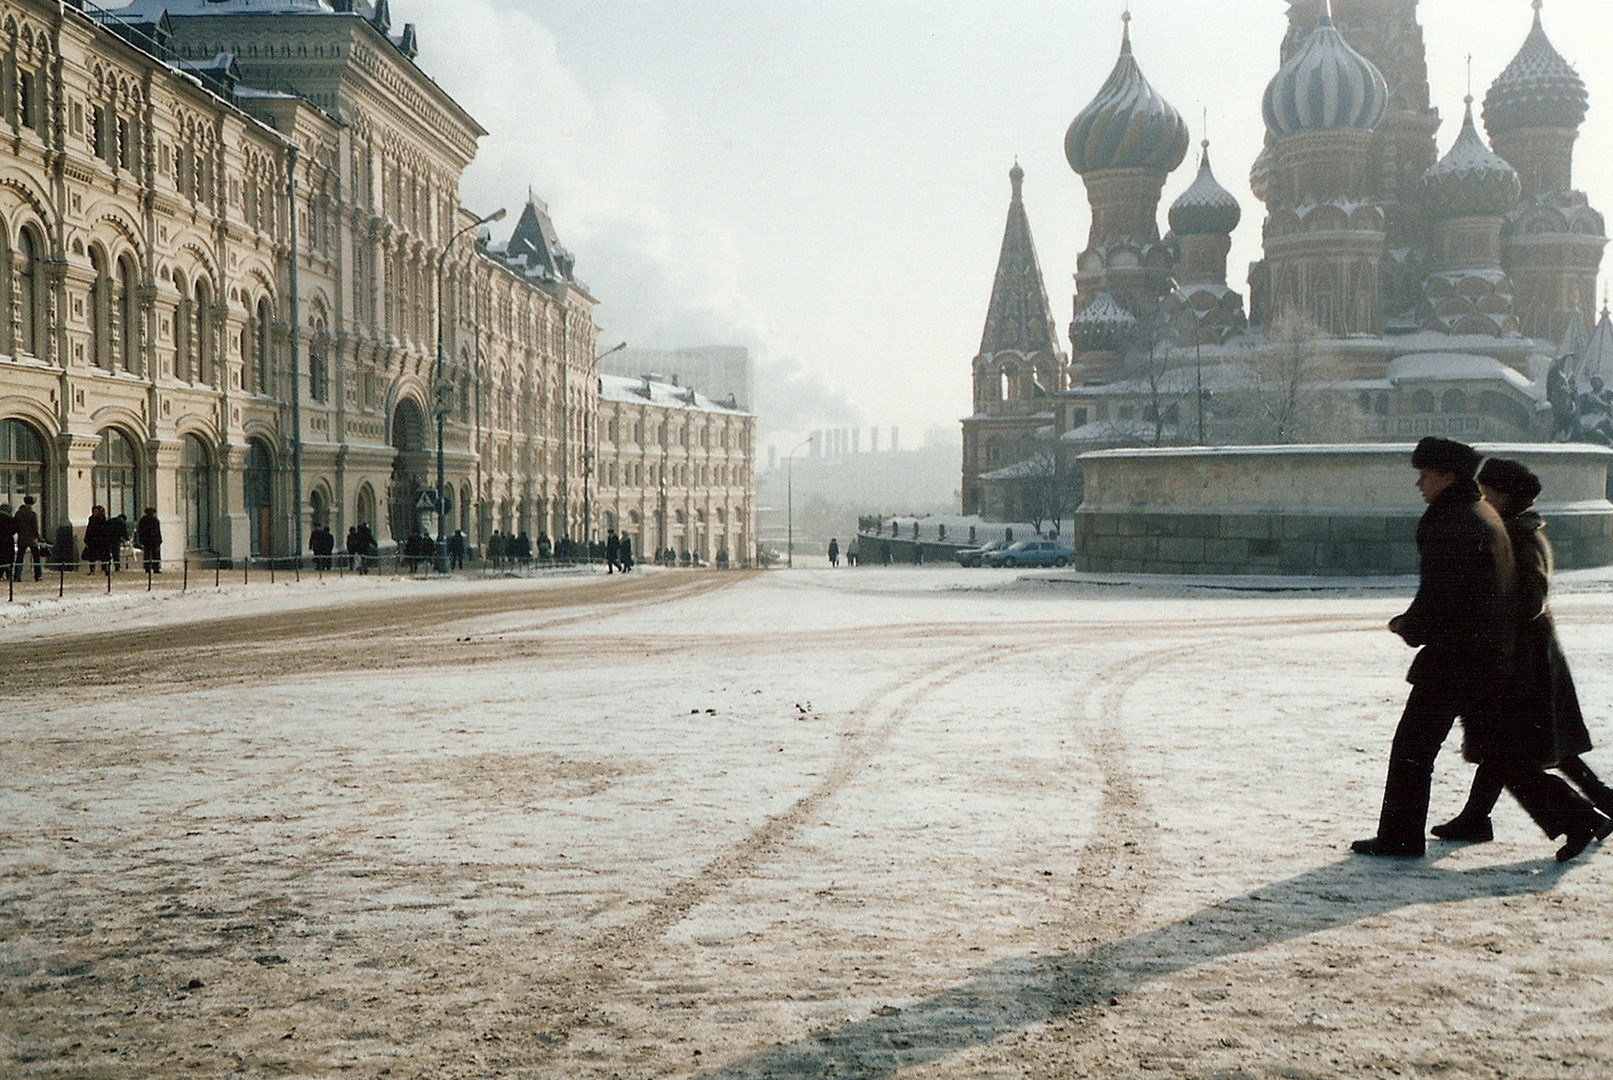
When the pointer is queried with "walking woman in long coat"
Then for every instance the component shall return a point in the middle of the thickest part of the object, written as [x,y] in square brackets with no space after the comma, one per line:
[1544,718]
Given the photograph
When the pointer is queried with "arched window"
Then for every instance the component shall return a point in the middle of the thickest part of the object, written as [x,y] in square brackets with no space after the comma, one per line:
[318,508]
[196,481]
[100,314]
[184,351]
[30,294]
[204,335]
[22,465]
[1422,401]
[258,491]
[1453,401]
[128,316]
[264,347]
[114,477]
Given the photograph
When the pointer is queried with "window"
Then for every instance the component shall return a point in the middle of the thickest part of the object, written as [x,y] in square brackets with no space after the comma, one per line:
[196,495]
[22,465]
[113,478]
[28,295]
[100,314]
[128,315]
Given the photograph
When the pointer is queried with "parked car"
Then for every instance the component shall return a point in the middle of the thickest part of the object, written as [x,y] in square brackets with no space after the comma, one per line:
[1032,553]
[976,556]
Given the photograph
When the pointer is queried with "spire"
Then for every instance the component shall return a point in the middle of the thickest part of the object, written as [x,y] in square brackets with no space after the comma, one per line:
[1020,318]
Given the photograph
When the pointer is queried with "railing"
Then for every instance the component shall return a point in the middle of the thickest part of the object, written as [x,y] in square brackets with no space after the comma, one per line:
[44,575]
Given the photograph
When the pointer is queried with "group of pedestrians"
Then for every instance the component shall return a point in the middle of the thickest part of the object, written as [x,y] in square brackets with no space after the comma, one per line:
[102,551]
[1487,653]
[618,552]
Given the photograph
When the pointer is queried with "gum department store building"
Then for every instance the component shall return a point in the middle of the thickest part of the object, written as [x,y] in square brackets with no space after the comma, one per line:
[1450,295]
[221,228]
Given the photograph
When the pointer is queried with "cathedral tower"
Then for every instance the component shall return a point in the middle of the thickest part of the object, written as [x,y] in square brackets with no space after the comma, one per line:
[1467,194]
[1202,309]
[1387,34]
[1124,144]
[1324,231]
[1554,239]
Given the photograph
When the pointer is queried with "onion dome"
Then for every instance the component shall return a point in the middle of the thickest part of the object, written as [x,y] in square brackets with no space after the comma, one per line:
[1128,125]
[1102,324]
[1260,174]
[1205,208]
[1325,86]
[1471,180]
[1538,89]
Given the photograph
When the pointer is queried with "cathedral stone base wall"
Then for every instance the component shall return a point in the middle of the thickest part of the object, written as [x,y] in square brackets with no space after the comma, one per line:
[1304,510]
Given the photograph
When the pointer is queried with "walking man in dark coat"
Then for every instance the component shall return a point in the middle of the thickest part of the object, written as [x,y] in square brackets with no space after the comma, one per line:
[1540,705]
[624,553]
[613,551]
[1462,622]
[1458,622]
[26,522]
[148,534]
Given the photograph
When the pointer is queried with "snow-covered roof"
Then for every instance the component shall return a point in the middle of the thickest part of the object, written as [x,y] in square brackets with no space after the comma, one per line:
[651,391]
[1038,464]
[1458,367]
[138,10]
[1111,431]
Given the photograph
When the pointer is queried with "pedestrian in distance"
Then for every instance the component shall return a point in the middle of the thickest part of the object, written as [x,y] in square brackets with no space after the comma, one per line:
[852,551]
[97,541]
[456,550]
[495,549]
[1461,623]
[322,542]
[625,553]
[8,542]
[148,534]
[613,551]
[26,522]
[354,547]
[1540,699]
[117,534]
[834,551]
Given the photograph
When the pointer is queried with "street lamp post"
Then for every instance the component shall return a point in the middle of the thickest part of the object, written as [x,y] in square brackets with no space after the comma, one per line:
[789,503]
[588,458]
[442,390]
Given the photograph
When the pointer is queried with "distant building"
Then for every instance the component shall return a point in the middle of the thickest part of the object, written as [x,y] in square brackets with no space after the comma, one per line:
[1400,293]
[717,371]
[675,470]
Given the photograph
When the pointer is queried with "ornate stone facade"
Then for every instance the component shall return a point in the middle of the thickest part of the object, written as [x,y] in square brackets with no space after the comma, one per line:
[223,298]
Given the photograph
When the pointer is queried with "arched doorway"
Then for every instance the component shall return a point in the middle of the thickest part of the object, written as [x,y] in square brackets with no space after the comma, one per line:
[114,477]
[196,484]
[409,469]
[364,508]
[22,465]
[318,508]
[258,484]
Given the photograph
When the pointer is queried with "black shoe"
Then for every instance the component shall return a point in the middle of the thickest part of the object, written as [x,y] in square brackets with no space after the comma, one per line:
[1377,845]
[1465,830]
[1594,827]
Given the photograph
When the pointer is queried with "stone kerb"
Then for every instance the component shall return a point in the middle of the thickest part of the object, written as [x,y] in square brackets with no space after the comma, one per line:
[1348,510]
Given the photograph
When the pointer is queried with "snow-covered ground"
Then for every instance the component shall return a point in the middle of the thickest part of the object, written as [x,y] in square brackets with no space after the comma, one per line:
[929,822]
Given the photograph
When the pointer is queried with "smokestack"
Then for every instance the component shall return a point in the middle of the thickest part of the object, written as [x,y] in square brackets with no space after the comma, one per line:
[896,441]
[873,440]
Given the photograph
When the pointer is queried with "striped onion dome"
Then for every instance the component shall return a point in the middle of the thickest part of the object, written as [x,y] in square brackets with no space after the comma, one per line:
[1128,125]
[1260,174]
[1205,208]
[1325,86]
[1538,89]
[1471,180]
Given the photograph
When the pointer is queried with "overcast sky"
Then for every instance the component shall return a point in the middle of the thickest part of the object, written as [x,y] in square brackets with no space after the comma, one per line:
[825,181]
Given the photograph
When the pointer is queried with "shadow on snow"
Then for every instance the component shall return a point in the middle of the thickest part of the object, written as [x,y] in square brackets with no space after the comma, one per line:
[1016,992]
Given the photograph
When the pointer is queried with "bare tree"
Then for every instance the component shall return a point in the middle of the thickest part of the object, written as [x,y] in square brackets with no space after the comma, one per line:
[1291,393]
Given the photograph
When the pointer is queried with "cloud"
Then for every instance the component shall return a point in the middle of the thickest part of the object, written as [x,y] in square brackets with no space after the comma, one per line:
[597,158]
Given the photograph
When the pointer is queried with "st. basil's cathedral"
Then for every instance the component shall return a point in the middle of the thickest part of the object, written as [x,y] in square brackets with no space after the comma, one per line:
[1401,293]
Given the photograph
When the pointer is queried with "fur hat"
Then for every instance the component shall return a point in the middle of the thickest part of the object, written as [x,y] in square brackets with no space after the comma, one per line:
[1511,478]
[1446,456]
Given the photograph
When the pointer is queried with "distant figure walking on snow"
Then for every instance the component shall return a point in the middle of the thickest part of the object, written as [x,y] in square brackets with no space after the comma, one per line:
[148,534]
[834,552]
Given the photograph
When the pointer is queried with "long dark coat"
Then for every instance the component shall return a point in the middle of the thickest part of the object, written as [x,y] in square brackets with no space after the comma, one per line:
[8,539]
[1543,723]
[97,542]
[1461,616]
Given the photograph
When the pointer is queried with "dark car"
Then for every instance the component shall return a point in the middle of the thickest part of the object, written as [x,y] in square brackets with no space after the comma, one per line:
[1032,553]
[976,556]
